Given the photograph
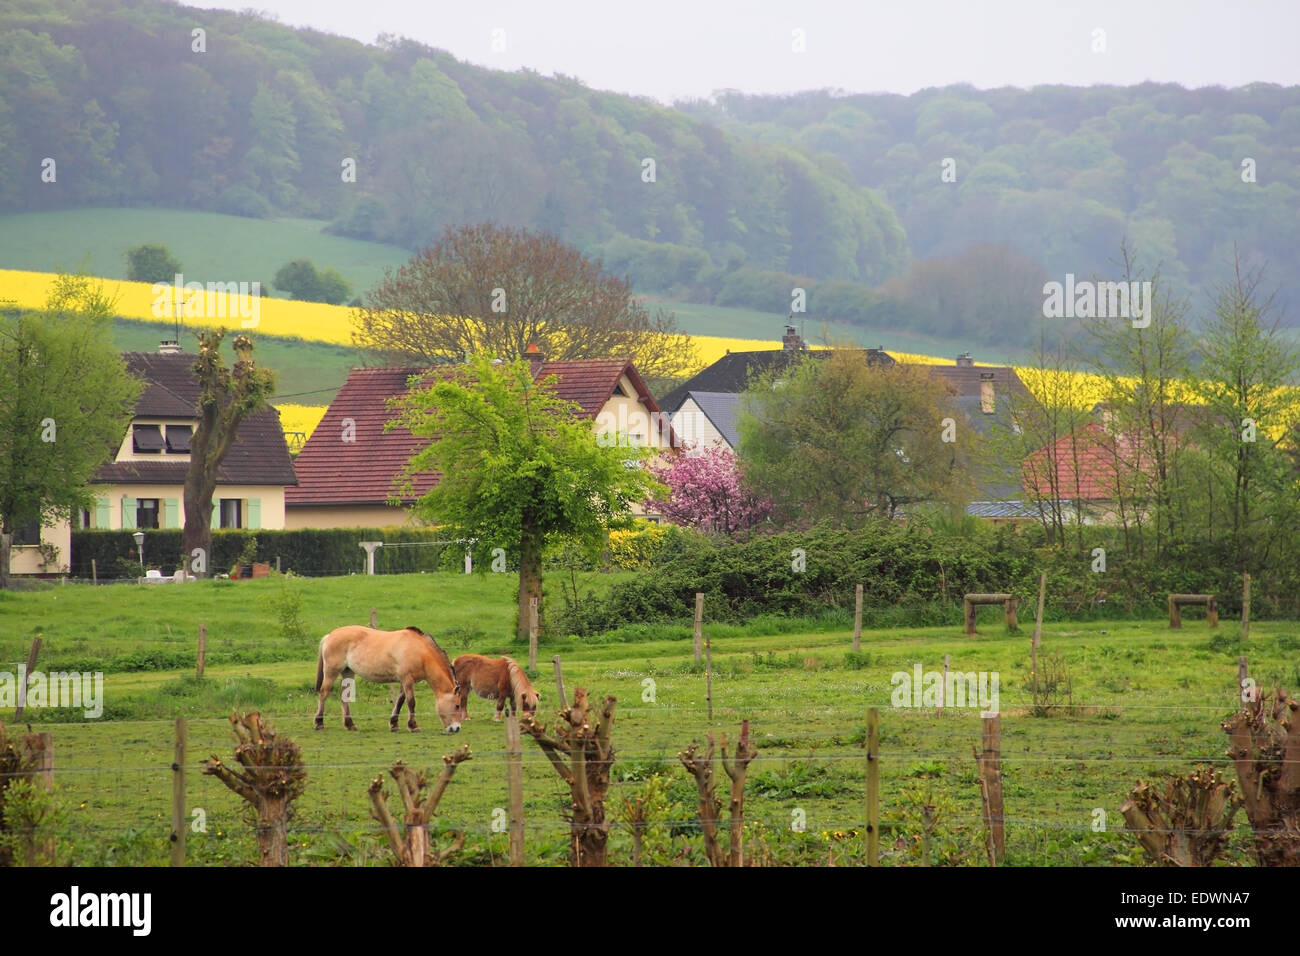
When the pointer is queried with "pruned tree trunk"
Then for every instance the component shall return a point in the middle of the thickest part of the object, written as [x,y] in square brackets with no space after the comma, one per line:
[1265,748]
[590,754]
[736,767]
[410,842]
[1186,825]
[530,584]
[272,778]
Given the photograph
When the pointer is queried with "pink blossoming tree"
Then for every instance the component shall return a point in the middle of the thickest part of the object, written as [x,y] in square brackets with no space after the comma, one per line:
[708,491]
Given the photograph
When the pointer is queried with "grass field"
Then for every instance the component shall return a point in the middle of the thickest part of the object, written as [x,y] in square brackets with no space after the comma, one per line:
[1146,701]
[211,247]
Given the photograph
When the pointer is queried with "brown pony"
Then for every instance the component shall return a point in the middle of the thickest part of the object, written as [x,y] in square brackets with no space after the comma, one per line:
[495,678]
[402,657]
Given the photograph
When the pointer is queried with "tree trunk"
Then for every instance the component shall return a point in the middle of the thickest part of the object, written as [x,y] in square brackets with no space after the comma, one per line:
[6,542]
[197,533]
[530,583]
[272,832]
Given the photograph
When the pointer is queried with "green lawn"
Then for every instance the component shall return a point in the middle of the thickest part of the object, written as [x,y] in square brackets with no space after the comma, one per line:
[1148,701]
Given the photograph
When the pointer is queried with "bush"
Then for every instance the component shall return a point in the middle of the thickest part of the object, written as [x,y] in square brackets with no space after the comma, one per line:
[242,201]
[151,262]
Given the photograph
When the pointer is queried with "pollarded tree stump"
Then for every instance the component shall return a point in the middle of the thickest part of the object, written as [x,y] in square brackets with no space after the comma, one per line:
[1265,749]
[1187,824]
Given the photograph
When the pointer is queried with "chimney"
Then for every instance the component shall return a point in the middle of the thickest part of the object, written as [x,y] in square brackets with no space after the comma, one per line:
[169,347]
[792,341]
[535,358]
[988,405]
[965,361]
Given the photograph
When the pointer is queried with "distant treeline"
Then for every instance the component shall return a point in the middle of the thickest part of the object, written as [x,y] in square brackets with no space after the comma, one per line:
[939,212]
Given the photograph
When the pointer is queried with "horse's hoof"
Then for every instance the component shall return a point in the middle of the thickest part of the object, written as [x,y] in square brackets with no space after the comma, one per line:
[351,726]
[413,728]
[320,726]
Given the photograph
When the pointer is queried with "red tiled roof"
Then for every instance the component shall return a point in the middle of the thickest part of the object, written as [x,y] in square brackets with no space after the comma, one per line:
[1097,466]
[364,471]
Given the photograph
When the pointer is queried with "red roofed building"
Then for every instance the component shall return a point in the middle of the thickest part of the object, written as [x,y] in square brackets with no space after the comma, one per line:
[350,466]
[1088,467]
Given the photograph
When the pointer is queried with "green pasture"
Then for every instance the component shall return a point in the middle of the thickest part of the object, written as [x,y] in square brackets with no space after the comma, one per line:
[1143,701]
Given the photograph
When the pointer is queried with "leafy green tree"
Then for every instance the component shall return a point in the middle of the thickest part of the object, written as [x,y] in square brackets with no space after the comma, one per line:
[1246,366]
[65,401]
[519,469]
[227,397]
[836,439]
[301,279]
[151,262]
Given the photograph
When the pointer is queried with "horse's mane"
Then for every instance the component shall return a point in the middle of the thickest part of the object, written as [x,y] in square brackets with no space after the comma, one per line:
[438,647]
[518,679]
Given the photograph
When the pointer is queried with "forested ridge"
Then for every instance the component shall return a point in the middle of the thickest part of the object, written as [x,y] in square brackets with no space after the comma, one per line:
[844,195]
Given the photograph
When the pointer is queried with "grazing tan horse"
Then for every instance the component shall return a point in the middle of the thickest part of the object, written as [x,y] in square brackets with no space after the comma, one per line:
[401,657]
[495,678]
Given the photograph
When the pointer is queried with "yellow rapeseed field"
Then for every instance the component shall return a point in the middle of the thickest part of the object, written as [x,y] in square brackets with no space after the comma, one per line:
[332,323]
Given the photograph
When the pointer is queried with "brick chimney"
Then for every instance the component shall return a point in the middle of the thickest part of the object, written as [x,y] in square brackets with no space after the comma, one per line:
[792,341]
[988,404]
[965,361]
[535,358]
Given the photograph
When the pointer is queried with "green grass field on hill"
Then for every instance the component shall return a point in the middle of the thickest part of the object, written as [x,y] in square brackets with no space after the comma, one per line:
[211,247]
[215,247]
[1142,701]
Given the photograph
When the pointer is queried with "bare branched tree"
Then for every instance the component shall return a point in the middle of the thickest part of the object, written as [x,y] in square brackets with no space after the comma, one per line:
[485,288]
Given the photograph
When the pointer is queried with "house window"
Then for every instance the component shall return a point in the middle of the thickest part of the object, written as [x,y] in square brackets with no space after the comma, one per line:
[178,439]
[84,519]
[29,532]
[146,513]
[231,513]
[147,439]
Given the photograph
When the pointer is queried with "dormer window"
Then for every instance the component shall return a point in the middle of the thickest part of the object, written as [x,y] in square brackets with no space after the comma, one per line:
[178,439]
[147,439]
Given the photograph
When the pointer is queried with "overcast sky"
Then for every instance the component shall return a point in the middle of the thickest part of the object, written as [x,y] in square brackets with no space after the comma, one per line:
[670,49]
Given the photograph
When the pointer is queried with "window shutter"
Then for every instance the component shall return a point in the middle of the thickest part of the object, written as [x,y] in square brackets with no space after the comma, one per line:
[254,513]
[103,513]
[128,512]
[172,519]
[215,524]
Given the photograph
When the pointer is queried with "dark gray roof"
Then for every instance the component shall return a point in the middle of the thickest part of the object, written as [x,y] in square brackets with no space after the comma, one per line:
[732,372]
[720,409]
[258,455]
[1001,509]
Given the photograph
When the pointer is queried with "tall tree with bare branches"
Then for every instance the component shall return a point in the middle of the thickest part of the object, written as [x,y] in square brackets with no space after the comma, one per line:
[484,288]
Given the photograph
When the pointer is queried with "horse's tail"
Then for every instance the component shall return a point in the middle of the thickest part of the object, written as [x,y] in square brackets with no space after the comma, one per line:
[320,665]
[516,675]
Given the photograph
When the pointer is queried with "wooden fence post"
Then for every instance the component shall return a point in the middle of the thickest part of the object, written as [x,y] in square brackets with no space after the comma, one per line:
[1175,613]
[46,771]
[708,674]
[515,781]
[873,786]
[699,622]
[989,764]
[857,618]
[277,564]
[1245,605]
[27,675]
[1038,636]
[968,614]
[1212,611]
[178,795]
[374,621]
[94,572]
[532,635]
[1013,622]
[947,659]
[559,681]
[203,650]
